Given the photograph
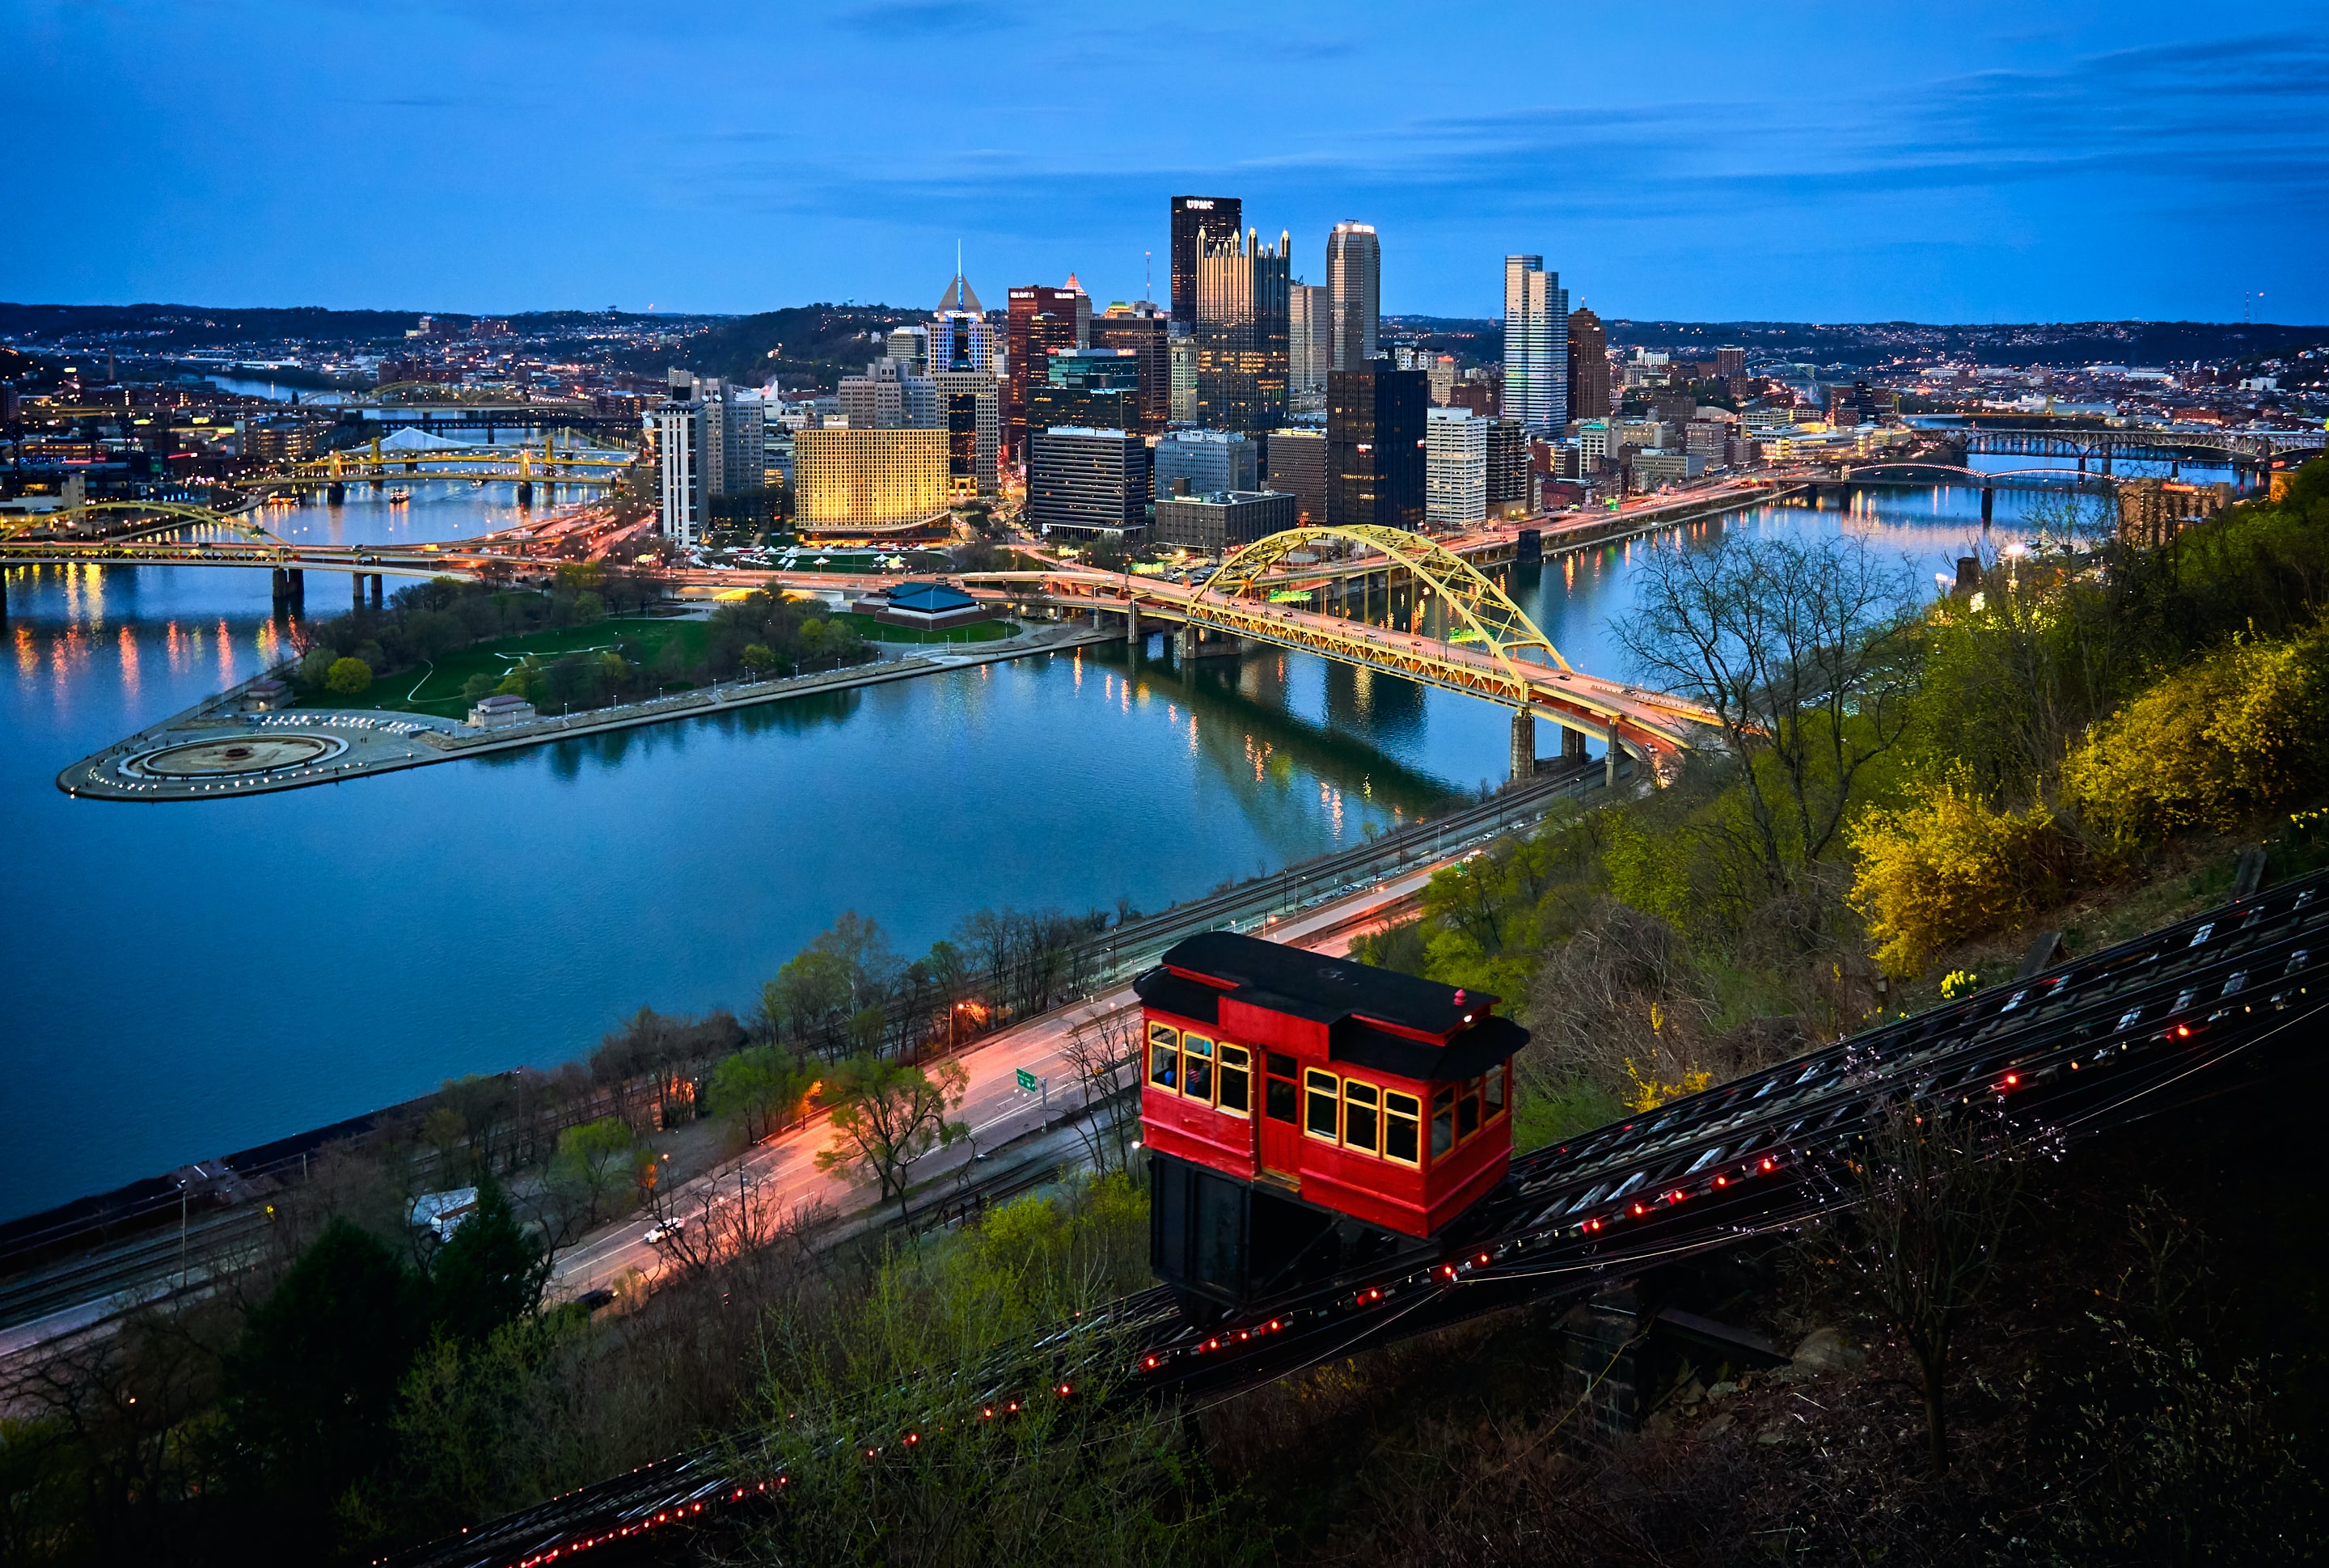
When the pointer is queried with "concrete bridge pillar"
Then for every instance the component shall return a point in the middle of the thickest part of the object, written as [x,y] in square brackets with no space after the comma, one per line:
[335,493]
[356,582]
[295,583]
[1572,745]
[1609,759]
[525,492]
[1131,624]
[1988,503]
[377,584]
[4,595]
[1523,745]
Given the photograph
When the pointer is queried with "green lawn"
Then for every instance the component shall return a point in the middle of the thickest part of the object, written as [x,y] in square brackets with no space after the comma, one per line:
[437,689]
[872,630]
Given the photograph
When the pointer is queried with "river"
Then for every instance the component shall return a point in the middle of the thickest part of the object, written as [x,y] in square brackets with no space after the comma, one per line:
[186,981]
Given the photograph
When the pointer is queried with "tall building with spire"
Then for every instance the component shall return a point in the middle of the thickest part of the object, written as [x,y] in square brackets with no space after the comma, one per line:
[961,337]
[1536,345]
[1355,293]
[1242,332]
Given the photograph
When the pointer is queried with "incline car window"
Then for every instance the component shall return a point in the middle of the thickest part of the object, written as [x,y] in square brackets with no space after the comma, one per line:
[1443,1123]
[1321,1111]
[1359,1107]
[1402,1123]
[1164,1055]
[1277,1097]
[1236,1073]
[1197,1067]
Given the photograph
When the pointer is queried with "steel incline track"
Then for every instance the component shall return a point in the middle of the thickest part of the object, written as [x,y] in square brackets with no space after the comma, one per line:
[2098,1042]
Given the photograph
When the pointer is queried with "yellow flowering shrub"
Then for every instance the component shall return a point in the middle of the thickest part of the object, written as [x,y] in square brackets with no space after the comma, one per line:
[2240,730]
[1946,867]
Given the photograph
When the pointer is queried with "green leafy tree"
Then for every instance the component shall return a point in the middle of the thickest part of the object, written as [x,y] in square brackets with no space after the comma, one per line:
[758,659]
[759,1086]
[887,1115]
[597,1162]
[312,1383]
[491,1272]
[348,676]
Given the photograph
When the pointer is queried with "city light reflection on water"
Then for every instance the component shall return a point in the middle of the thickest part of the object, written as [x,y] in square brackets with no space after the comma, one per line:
[263,965]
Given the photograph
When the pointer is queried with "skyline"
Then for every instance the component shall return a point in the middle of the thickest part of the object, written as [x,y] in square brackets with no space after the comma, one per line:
[1972,167]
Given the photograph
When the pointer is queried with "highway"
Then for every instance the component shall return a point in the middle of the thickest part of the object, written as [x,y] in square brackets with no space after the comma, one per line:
[781,1173]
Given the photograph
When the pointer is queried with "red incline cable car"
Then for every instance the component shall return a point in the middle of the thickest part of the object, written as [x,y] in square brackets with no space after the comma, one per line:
[1304,1114]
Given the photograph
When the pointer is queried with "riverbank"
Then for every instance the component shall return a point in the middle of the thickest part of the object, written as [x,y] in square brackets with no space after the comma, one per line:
[212,752]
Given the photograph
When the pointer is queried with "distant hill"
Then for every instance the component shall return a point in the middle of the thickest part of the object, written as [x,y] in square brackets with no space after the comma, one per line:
[2145,343]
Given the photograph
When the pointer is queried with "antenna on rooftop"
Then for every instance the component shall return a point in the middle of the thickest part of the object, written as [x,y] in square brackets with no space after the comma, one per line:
[1148,276]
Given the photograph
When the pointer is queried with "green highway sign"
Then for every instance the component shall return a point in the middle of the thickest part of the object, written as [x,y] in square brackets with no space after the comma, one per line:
[1027,1083]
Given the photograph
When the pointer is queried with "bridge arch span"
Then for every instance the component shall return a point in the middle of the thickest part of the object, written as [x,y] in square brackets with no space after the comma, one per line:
[1501,626]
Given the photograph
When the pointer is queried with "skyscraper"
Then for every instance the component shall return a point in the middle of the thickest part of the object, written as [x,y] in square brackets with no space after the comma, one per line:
[1140,327]
[961,337]
[1375,447]
[1309,343]
[1240,335]
[1589,366]
[1193,216]
[1456,466]
[1041,319]
[1354,293]
[1536,345]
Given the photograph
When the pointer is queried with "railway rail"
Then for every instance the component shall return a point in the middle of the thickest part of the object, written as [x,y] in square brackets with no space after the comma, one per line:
[2094,1044]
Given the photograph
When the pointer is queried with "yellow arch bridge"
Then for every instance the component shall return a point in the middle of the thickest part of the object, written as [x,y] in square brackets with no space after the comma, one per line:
[1486,645]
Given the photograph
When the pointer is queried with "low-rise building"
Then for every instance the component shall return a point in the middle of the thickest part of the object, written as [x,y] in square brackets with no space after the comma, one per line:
[499,712]
[2151,511]
[1088,483]
[928,606]
[1224,521]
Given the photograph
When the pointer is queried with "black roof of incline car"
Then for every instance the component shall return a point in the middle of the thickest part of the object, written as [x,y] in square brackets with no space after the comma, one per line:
[1349,997]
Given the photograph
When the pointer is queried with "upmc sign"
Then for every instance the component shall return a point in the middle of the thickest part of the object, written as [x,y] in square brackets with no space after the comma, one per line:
[1198,203]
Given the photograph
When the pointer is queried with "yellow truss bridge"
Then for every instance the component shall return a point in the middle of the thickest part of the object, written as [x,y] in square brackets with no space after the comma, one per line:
[1491,648]
[525,464]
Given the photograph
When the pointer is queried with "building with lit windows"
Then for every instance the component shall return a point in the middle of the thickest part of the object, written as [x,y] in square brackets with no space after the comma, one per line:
[1141,329]
[1041,318]
[856,478]
[1455,467]
[1297,466]
[1096,388]
[1194,218]
[1241,333]
[1354,293]
[1536,345]
[1309,344]
[1375,440]
[1224,521]
[1208,462]
[970,403]
[1088,483]
[1589,366]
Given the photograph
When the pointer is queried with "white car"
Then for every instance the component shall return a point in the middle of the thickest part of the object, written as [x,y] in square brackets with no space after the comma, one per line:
[668,1231]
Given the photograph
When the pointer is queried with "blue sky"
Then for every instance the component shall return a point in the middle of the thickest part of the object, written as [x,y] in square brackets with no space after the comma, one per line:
[1969,162]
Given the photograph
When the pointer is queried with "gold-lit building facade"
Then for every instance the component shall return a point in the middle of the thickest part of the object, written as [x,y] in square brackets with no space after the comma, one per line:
[853,477]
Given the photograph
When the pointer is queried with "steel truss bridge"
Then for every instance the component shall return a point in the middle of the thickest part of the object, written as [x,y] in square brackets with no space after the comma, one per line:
[2126,1033]
[1490,647]
[525,465]
[2103,441]
[1912,472]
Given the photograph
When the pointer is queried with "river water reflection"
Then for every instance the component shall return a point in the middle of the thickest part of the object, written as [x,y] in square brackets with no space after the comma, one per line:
[186,980]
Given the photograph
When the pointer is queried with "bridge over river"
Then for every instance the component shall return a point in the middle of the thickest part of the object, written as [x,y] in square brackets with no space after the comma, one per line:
[1461,631]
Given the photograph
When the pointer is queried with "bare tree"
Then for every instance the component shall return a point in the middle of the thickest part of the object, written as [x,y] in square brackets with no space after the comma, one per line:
[1097,1050]
[1797,649]
[1936,1188]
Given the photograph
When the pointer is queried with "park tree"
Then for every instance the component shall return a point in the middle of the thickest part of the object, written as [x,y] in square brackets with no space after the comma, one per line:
[312,1383]
[347,676]
[597,1163]
[887,1115]
[1800,650]
[759,1086]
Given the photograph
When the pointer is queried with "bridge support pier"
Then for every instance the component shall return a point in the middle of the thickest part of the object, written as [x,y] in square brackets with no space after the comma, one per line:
[1988,503]
[1609,759]
[377,586]
[1132,638]
[295,583]
[335,493]
[525,492]
[355,582]
[1572,746]
[1523,745]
